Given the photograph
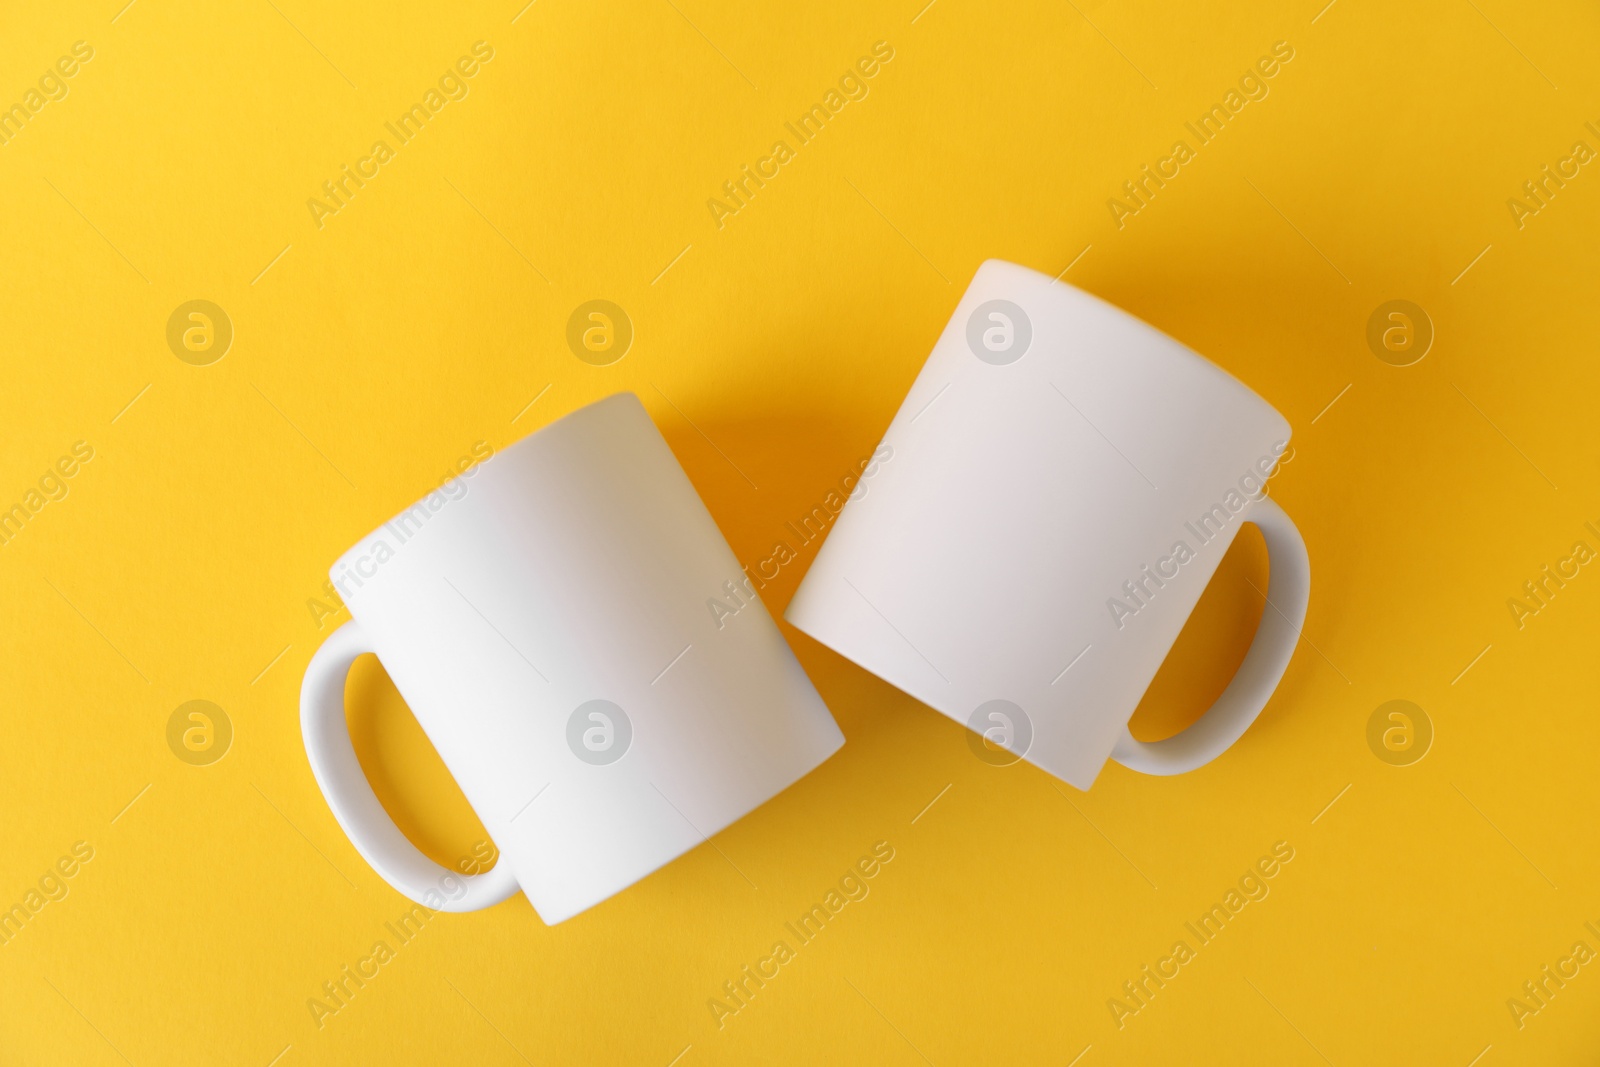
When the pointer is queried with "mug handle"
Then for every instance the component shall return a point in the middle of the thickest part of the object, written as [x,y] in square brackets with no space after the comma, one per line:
[1288,592]
[356,806]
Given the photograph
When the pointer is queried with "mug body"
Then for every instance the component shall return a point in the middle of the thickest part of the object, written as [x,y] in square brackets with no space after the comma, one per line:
[546,621]
[1066,479]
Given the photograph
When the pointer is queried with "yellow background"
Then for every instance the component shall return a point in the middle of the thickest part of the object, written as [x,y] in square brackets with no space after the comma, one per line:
[430,311]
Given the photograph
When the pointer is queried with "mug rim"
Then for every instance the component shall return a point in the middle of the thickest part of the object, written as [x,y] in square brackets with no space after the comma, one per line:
[1124,319]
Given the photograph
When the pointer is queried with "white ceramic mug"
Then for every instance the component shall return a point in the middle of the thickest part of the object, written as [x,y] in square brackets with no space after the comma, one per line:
[548,628]
[1065,481]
